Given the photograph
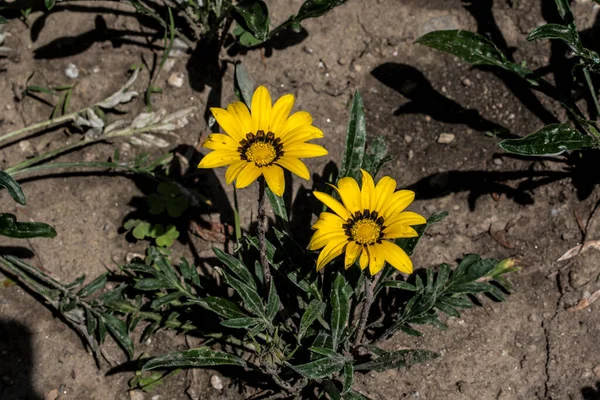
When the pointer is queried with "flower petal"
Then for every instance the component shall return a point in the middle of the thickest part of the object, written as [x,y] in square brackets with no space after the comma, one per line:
[281,111]
[352,252]
[247,175]
[242,114]
[383,192]
[397,203]
[219,158]
[323,236]
[296,120]
[395,256]
[333,204]
[332,250]
[233,171]
[302,134]
[406,218]
[228,123]
[274,176]
[368,191]
[376,258]
[261,109]
[396,231]
[364,258]
[304,150]
[329,220]
[218,141]
[294,165]
[350,194]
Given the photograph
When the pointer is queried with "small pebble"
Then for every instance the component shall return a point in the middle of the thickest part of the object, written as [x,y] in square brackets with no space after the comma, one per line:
[216,382]
[411,154]
[176,80]
[136,395]
[596,371]
[532,318]
[498,161]
[446,138]
[71,71]
[308,50]
[357,67]
[467,82]
[25,146]
[408,138]
[342,61]
[156,397]
[51,395]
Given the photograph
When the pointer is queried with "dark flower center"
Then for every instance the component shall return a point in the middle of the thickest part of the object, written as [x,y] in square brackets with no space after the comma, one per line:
[261,149]
[365,228]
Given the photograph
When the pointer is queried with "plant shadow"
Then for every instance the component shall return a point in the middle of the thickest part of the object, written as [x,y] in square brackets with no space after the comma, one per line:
[17,367]
[591,393]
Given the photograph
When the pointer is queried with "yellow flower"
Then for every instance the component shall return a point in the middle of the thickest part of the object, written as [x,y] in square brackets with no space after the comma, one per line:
[263,142]
[365,224]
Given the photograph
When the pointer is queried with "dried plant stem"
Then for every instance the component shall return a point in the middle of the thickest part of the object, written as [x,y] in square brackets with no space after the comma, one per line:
[42,125]
[365,311]
[262,239]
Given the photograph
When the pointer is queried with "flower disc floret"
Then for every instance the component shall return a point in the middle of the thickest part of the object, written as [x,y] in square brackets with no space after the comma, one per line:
[262,142]
[364,225]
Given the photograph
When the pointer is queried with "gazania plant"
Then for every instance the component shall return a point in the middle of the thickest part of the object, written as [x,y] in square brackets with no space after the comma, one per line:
[298,317]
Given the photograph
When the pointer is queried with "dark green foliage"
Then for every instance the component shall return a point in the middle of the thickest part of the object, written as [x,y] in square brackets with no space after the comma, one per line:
[352,160]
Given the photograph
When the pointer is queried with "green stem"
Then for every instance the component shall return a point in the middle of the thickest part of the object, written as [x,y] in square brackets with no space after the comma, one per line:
[590,85]
[41,125]
[262,237]
[15,168]
[365,311]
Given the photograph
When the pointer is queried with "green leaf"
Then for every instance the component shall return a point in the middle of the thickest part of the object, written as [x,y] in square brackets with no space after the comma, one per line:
[156,203]
[376,156]
[340,313]
[313,311]
[400,285]
[251,299]
[176,206]
[236,266]
[141,230]
[278,206]
[352,395]
[355,140]
[273,302]
[555,31]
[118,330]
[222,307]
[90,322]
[240,323]
[200,357]
[552,139]
[151,284]
[253,16]
[459,301]
[397,359]
[472,287]
[14,189]
[451,311]
[471,268]
[3,20]
[163,265]
[321,367]
[564,10]
[246,38]
[23,230]
[243,84]
[49,4]
[348,378]
[93,286]
[442,277]
[168,237]
[166,299]
[316,8]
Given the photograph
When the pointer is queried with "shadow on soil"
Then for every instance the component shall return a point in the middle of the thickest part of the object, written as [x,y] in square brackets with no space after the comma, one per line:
[16,368]
[591,393]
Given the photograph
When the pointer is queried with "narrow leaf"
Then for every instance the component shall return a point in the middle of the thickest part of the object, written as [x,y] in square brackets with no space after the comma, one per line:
[552,139]
[22,230]
[397,359]
[118,330]
[236,266]
[352,159]
[272,303]
[222,307]
[340,303]
[400,285]
[320,368]
[253,15]
[14,189]
[314,310]
[240,323]
[93,286]
[201,357]
[244,84]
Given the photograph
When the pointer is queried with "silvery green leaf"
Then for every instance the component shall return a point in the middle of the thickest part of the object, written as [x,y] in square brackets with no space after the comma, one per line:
[122,95]
[151,140]
[143,120]
[116,125]
[179,117]
[201,357]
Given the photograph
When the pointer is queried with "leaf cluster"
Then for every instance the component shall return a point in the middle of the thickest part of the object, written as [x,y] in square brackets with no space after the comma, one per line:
[553,139]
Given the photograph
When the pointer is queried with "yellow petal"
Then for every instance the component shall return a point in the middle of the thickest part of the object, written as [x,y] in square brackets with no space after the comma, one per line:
[396,231]
[352,252]
[218,141]
[383,192]
[364,258]
[296,120]
[302,134]
[247,175]
[329,220]
[368,191]
[304,150]
[281,111]
[233,170]
[376,258]
[406,218]
[261,109]
[322,237]
[219,158]
[242,114]
[331,251]
[396,257]
[350,194]
[274,176]
[228,123]
[333,204]
[397,203]
[294,165]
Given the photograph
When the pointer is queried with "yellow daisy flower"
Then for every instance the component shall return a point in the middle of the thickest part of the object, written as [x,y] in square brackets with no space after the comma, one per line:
[262,142]
[366,224]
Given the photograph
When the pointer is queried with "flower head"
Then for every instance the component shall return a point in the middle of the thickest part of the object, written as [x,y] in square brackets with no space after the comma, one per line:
[262,142]
[365,224]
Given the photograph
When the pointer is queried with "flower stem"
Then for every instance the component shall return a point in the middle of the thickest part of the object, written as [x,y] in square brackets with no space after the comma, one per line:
[365,311]
[262,239]
[590,85]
